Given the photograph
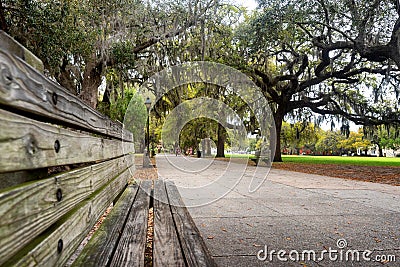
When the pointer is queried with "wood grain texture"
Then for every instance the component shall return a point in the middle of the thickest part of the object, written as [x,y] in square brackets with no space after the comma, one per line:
[25,89]
[100,249]
[166,248]
[132,244]
[27,210]
[28,144]
[72,228]
[193,246]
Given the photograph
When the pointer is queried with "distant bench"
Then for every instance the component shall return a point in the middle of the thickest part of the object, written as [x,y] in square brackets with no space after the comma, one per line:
[261,158]
[62,164]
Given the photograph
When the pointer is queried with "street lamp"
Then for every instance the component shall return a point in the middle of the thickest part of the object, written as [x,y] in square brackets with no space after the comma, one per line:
[148,105]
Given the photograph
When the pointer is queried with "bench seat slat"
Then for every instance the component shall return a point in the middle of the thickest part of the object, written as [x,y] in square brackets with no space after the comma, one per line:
[98,252]
[194,248]
[132,244]
[166,248]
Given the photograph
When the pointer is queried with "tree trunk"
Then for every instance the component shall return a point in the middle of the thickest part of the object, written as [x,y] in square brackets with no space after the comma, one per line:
[380,151]
[203,148]
[65,78]
[208,147]
[91,83]
[278,117]
[221,142]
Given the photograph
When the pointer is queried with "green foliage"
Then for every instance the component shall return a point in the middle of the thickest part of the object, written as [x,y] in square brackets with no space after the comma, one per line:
[53,30]
[391,143]
[252,144]
[330,142]
[355,141]
[384,136]
[132,111]
[196,130]
[300,134]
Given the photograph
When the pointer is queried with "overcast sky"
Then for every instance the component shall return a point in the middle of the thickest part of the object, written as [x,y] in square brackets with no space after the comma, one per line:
[250,4]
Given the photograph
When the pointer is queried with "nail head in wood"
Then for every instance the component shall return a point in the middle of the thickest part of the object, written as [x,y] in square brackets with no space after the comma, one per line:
[57,146]
[60,245]
[59,195]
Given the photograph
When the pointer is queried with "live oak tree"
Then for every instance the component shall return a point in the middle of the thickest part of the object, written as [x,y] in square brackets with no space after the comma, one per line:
[383,136]
[211,41]
[334,58]
[79,41]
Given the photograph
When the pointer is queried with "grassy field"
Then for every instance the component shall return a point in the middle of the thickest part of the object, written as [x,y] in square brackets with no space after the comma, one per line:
[363,161]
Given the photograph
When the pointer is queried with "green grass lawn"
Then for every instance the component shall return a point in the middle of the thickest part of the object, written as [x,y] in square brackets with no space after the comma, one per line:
[365,161]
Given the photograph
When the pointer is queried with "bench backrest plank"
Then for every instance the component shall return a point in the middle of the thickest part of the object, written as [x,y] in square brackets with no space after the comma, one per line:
[35,145]
[72,228]
[36,206]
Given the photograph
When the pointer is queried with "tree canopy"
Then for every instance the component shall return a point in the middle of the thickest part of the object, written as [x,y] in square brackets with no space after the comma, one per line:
[79,41]
[313,60]
[333,58]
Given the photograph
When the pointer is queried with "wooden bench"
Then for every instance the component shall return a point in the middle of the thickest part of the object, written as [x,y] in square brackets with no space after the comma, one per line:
[258,159]
[121,239]
[62,165]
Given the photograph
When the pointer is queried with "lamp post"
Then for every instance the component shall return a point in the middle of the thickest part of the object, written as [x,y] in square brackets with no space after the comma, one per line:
[148,105]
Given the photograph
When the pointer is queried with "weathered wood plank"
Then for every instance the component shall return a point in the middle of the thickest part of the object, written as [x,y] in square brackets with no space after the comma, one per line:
[71,229]
[166,248]
[28,144]
[99,251]
[8,43]
[28,210]
[23,88]
[132,244]
[11,179]
[193,246]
